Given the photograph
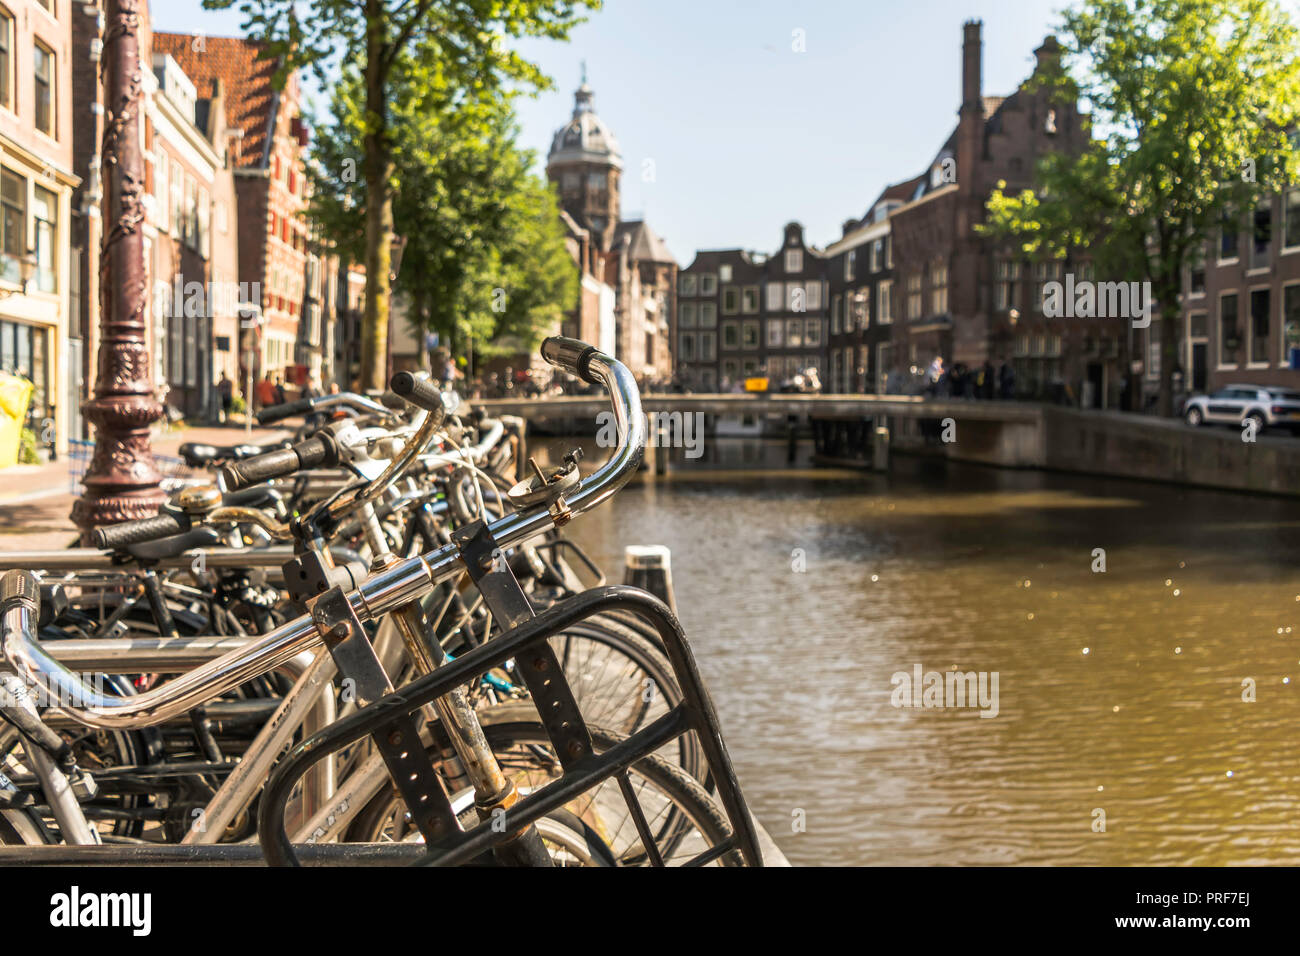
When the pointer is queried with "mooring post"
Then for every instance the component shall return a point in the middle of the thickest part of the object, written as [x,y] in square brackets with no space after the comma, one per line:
[663,442]
[650,458]
[649,567]
[880,445]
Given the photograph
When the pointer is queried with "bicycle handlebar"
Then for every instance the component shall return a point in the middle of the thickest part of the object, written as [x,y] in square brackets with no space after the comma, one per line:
[321,451]
[118,536]
[274,413]
[572,356]
[381,593]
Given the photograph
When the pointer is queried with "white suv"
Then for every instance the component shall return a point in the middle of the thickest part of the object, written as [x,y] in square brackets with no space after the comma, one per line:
[1271,406]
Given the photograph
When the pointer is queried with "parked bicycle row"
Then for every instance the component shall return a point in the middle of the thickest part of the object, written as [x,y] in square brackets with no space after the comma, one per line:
[372,643]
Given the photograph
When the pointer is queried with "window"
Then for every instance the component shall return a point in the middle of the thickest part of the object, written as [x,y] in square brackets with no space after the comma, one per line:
[1291,219]
[43,69]
[1259,321]
[570,182]
[877,255]
[796,297]
[1228,329]
[708,346]
[730,300]
[708,284]
[1228,236]
[813,295]
[794,261]
[1290,321]
[708,315]
[686,313]
[939,287]
[885,303]
[45,214]
[776,327]
[1004,296]
[775,296]
[812,333]
[191,212]
[13,243]
[724,273]
[850,265]
[730,369]
[730,335]
[914,295]
[688,284]
[1196,272]
[177,188]
[794,333]
[596,182]
[1261,236]
[162,201]
[6,58]
[837,314]
[859,313]
[205,223]
[749,299]
[686,346]
[749,335]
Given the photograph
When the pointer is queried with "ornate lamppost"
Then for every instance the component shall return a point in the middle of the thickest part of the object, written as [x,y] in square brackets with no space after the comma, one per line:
[122,481]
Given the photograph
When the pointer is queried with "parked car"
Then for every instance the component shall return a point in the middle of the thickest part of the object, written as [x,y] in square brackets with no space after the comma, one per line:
[1271,406]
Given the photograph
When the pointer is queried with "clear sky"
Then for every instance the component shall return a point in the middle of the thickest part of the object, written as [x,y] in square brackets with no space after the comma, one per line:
[745,133]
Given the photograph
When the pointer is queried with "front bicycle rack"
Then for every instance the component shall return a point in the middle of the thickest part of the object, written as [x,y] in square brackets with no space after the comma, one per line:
[582,771]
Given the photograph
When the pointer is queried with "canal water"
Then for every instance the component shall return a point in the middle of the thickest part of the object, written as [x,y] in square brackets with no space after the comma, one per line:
[1123,731]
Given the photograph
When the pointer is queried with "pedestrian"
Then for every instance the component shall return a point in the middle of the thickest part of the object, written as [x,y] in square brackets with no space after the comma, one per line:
[265,392]
[226,390]
[279,390]
[1007,381]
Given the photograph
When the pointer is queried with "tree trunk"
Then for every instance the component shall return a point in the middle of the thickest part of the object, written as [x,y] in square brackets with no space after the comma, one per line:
[379,205]
[1170,314]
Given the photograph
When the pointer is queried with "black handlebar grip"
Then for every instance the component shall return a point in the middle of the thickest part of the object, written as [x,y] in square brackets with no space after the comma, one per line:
[252,471]
[391,399]
[275,413]
[572,356]
[117,536]
[419,391]
[312,453]
[20,587]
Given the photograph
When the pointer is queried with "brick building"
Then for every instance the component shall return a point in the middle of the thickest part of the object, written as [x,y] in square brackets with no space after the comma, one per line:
[625,258]
[974,300]
[270,139]
[1241,304]
[742,314]
[38,116]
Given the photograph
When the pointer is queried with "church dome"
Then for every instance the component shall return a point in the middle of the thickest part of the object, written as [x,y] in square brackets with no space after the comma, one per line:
[585,138]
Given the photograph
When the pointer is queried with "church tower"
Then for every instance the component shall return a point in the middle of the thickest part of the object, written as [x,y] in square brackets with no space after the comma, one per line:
[585,164]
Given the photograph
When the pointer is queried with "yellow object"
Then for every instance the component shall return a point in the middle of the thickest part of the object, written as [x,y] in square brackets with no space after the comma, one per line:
[15,394]
[756,384]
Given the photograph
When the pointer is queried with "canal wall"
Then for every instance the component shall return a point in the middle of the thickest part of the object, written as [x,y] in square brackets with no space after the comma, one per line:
[1121,446]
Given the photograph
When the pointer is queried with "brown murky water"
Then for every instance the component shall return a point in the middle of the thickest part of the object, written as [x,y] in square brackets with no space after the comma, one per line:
[1118,692]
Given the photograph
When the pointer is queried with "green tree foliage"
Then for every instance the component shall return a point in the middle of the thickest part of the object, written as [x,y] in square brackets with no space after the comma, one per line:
[1193,103]
[485,255]
[454,51]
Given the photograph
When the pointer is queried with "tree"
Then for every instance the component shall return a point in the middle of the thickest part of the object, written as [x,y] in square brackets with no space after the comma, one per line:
[1196,103]
[458,48]
[485,254]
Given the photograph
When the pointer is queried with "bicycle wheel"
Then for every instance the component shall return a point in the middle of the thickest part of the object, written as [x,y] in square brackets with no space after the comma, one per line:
[682,819]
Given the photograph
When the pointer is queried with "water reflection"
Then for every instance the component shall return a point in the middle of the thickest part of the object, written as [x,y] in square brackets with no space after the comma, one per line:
[1120,691]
